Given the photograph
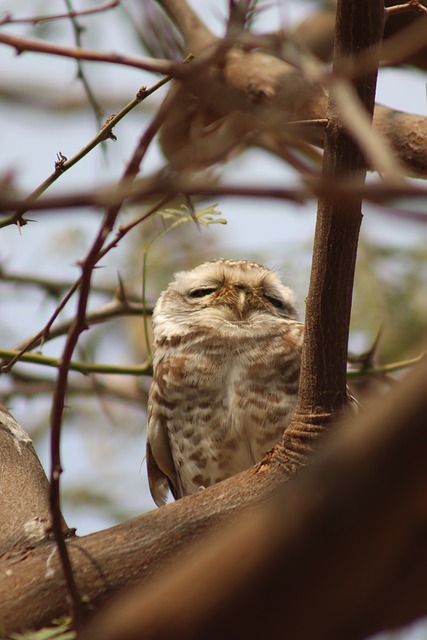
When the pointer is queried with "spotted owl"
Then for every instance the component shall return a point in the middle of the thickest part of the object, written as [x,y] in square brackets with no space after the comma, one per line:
[226,361]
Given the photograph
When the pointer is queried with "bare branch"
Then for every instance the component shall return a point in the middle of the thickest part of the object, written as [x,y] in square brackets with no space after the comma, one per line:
[8,19]
[163,183]
[40,46]
[64,164]
[25,518]
[323,384]
[35,386]
[382,370]
[54,287]
[358,510]
[79,325]
[325,508]
[413,5]
[82,367]
[114,309]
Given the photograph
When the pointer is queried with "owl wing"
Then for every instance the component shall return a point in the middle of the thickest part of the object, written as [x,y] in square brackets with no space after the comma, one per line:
[161,470]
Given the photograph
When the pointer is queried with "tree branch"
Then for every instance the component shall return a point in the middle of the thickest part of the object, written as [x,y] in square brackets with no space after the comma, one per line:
[40,46]
[63,164]
[196,35]
[327,532]
[25,518]
[60,16]
[339,553]
[12,355]
[164,183]
[324,359]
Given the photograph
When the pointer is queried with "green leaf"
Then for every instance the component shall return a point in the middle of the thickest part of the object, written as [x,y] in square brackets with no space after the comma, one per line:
[61,631]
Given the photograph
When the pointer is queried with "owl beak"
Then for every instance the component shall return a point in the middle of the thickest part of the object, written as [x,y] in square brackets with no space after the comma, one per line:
[242,303]
[241,300]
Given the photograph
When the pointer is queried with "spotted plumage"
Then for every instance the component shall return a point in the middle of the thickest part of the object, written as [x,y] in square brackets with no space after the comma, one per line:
[226,359]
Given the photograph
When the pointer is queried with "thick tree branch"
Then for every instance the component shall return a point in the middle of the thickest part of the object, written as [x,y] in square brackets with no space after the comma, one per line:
[368,489]
[267,93]
[339,553]
[196,35]
[161,184]
[117,558]
[25,518]
[404,34]
[324,360]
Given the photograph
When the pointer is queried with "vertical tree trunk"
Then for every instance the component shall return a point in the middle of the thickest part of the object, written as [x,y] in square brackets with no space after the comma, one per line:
[324,361]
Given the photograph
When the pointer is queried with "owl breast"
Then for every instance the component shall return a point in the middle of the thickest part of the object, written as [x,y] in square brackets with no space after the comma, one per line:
[223,399]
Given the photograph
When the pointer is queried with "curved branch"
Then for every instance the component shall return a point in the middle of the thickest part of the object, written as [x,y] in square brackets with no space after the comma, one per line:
[323,386]
[115,309]
[366,490]
[341,552]
[82,367]
[266,89]
[196,35]
[25,518]
[41,46]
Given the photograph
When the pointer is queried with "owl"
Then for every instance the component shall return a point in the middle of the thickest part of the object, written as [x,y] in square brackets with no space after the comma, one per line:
[226,361]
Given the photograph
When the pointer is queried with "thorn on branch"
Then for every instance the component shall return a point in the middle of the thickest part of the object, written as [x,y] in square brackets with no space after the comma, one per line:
[21,222]
[7,18]
[192,210]
[368,359]
[108,133]
[141,93]
[120,294]
[60,161]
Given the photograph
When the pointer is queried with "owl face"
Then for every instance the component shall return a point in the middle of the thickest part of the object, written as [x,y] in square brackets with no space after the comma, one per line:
[233,297]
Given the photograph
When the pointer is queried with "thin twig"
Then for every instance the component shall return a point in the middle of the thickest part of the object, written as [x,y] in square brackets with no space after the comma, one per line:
[60,16]
[45,334]
[79,325]
[28,385]
[39,337]
[54,287]
[82,367]
[163,183]
[386,368]
[413,5]
[41,46]
[116,308]
[64,164]
[81,75]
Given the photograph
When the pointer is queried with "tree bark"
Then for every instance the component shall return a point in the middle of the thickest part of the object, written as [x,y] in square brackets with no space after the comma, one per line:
[267,93]
[348,545]
[24,497]
[316,33]
[323,387]
[109,561]
[339,552]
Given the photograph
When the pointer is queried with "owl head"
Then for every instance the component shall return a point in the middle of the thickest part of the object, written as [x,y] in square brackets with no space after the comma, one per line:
[231,297]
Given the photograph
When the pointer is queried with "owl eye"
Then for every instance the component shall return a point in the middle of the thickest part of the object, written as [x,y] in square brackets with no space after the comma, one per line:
[201,293]
[276,302]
